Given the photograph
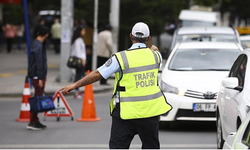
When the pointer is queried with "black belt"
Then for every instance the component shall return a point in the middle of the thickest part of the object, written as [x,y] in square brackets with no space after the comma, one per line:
[120,88]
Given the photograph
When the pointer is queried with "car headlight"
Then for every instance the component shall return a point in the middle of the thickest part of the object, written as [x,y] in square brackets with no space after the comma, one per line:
[171,89]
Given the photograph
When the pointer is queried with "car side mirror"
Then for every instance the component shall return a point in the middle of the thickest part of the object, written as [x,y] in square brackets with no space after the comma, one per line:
[231,83]
[238,88]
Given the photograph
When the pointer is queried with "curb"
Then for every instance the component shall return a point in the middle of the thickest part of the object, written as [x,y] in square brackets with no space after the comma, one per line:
[95,90]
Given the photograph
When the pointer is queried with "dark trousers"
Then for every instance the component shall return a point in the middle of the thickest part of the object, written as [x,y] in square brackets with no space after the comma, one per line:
[80,72]
[100,62]
[39,91]
[9,44]
[123,132]
[19,42]
[57,46]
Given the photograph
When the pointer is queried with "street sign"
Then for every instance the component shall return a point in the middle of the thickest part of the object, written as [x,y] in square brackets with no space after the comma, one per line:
[62,108]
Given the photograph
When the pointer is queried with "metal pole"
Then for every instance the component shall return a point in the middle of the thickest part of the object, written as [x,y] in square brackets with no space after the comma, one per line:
[114,21]
[26,26]
[66,31]
[95,39]
[27,33]
[1,12]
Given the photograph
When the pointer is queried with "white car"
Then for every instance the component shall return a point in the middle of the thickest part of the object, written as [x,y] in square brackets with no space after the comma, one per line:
[191,79]
[233,102]
[241,138]
[205,34]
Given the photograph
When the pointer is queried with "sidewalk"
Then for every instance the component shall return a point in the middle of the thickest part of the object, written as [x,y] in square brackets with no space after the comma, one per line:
[13,69]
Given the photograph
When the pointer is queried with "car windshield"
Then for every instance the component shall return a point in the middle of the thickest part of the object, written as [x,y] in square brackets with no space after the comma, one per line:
[203,60]
[207,38]
[192,23]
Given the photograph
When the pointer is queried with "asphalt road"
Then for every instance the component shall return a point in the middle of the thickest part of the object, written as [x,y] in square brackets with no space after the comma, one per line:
[91,135]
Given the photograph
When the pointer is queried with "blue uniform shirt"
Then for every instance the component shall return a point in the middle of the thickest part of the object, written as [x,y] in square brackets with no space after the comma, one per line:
[112,66]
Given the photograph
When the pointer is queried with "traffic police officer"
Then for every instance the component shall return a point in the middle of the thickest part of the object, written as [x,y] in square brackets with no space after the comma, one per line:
[137,100]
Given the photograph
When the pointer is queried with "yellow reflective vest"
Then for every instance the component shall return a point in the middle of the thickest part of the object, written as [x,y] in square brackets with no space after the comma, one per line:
[139,93]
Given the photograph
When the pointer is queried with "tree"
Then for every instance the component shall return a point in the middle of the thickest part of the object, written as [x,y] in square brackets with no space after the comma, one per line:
[153,13]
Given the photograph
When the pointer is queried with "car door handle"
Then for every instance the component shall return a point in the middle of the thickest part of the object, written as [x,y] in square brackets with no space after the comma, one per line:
[227,97]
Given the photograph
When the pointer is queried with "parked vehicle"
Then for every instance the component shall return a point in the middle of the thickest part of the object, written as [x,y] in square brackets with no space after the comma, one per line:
[233,102]
[189,18]
[191,78]
[245,41]
[201,34]
[241,138]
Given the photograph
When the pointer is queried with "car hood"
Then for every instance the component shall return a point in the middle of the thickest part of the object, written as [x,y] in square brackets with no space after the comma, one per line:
[202,81]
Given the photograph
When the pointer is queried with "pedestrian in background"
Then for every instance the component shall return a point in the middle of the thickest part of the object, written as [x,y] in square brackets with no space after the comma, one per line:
[88,40]
[56,35]
[137,100]
[9,34]
[78,49]
[104,48]
[37,70]
[1,35]
[19,35]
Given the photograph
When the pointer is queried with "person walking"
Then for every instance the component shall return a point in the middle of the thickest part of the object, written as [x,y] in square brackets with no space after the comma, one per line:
[9,34]
[56,35]
[104,48]
[41,22]
[1,35]
[19,34]
[79,50]
[37,70]
[137,100]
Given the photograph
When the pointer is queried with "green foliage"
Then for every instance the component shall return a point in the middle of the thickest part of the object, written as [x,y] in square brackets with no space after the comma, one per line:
[84,9]
[16,14]
[153,12]
[206,2]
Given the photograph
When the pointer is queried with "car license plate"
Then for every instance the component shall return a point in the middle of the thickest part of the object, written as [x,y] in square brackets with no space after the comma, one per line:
[206,107]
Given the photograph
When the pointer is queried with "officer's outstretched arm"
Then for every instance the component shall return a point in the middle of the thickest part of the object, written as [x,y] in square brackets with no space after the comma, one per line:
[88,79]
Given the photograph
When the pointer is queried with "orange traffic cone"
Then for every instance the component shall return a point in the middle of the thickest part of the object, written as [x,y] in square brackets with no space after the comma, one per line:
[88,108]
[25,106]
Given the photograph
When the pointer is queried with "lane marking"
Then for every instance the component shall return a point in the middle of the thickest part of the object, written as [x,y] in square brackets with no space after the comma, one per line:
[4,75]
[52,66]
[22,71]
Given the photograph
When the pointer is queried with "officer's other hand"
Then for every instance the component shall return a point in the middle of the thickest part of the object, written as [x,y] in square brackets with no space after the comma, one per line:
[40,83]
[67,89]
[153,47]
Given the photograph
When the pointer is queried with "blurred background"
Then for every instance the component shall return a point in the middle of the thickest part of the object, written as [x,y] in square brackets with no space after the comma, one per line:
[159,15]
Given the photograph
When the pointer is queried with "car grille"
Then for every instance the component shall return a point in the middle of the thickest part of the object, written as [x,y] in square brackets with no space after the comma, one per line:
[191,113]
[201,95]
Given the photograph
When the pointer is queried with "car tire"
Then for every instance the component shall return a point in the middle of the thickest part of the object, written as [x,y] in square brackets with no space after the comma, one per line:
[219,137]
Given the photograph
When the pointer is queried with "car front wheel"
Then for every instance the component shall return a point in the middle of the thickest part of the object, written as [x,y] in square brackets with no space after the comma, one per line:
[219,137]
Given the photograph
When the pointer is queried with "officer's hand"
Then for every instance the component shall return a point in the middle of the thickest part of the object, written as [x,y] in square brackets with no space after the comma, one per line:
[40,83]
[153,47]
[83,63]
[67,89]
